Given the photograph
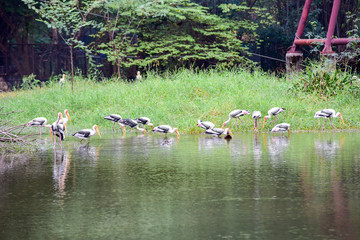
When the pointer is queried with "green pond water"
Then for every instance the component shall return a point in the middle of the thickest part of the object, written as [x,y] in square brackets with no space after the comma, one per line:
[254,186]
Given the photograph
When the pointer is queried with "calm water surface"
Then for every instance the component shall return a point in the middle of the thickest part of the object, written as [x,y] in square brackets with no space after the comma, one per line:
[255,186]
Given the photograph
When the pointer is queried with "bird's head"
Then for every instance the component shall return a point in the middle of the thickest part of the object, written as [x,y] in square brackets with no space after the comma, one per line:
[151,126]
[341,118]
[67,114]
[223,126]
[228,132]
[97,130]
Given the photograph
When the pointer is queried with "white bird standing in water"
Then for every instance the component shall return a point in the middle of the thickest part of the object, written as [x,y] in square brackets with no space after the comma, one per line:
[205,125]
[145,121]
[282,127]
[58,129]
[115,118]
[87,133]
[40,122]
[273,112]
[328,114]
[256,115]
[236,114]
[219,131]
[132,124]
[166,129]
[66,119]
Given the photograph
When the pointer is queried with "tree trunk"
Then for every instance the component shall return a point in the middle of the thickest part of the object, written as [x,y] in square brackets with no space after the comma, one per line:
[72,66]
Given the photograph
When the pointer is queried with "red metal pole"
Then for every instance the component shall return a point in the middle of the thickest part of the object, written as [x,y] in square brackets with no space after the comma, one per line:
[334,41]
[334,13]
[301,25]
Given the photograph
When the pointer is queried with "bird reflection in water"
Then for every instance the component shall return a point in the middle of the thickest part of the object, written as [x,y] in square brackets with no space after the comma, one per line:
[60,172]
[328,148]
[276,147]
[89,152]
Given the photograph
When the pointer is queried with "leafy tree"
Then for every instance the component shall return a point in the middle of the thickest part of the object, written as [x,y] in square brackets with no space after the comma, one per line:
[69,18]
[169,34]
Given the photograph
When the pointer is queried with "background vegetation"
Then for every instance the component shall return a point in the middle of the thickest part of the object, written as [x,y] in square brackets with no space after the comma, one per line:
[180,99]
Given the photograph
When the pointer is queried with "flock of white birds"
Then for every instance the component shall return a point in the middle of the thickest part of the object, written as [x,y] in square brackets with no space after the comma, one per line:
[58,128]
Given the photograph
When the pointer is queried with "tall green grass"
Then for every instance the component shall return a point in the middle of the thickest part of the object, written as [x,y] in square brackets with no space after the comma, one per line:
[179,99]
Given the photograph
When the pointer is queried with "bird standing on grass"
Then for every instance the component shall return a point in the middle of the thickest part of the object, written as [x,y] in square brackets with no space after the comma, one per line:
[219,131]
[282,127]
[62,80]
[256,115]
[138,75]
[273,112]
[236,114]
[166,129]
[40,122]
[87,133]
[328,114]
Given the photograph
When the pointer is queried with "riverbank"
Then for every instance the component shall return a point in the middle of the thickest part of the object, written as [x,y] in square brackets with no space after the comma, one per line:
[179,100]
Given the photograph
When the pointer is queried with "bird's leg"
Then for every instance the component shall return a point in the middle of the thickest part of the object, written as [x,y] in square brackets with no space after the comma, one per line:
[275,119]
[114,127]
[40,131]
[240,120]
[331,123]
[323,125]
[236,122]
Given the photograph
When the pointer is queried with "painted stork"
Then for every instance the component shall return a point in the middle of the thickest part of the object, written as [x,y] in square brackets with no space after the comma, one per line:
[282,127]
[219,131]
[40,122]
[236,114]
[132,124]
[273,112]
[205,125]
[62,80]
[58,129]
[145,121]
[66,119]
[138,75]
[115,118]
[87,133]
[328,114]
[166,129]
[256,115]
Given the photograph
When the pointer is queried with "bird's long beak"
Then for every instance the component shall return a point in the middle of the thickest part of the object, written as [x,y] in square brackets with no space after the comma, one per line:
[230,133]
[288,132]
[97,130]
[342,119]
[177,133]
[264,122]
[68,115]
[223,126]
[152,127]
[62,119]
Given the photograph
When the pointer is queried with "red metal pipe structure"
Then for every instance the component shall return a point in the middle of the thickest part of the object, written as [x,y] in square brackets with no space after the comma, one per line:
[329,41]
[301,26]
[330,33]
[334,41]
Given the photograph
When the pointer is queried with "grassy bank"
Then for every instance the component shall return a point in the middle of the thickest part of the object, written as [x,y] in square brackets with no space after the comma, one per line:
[179,100]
